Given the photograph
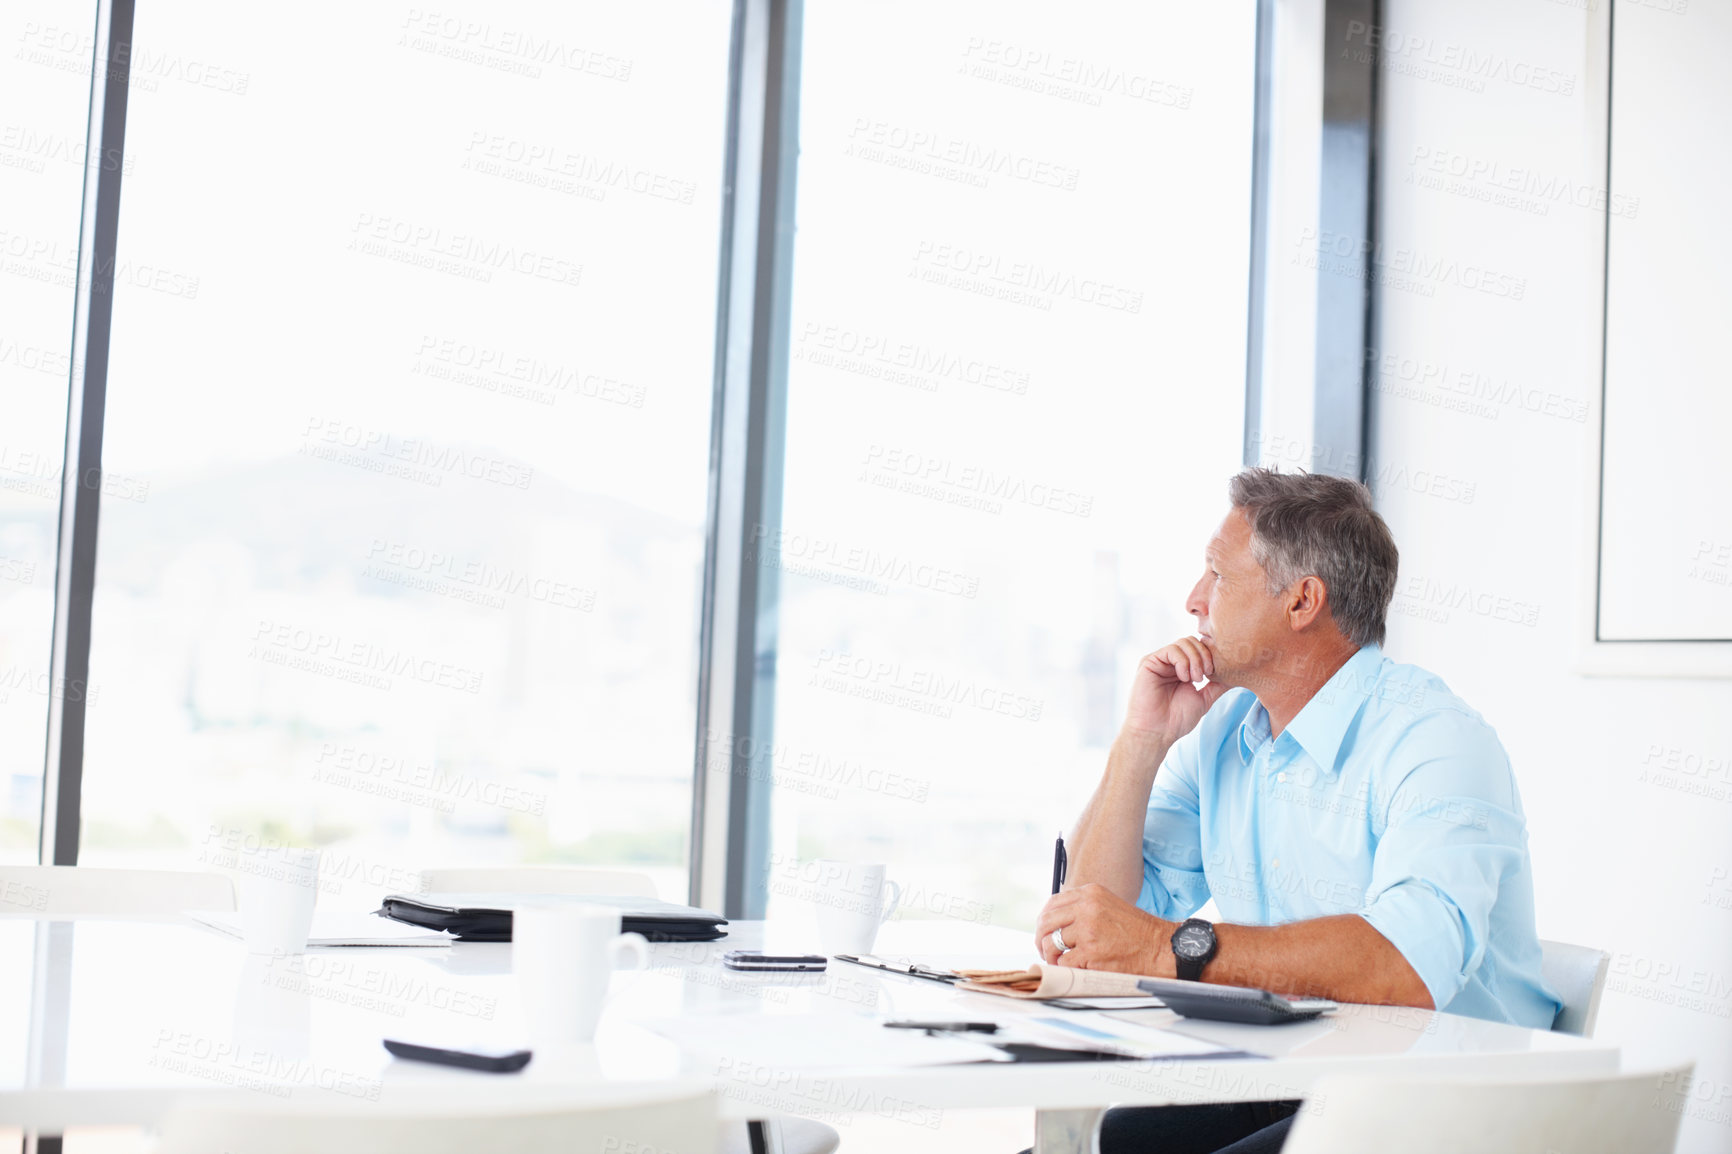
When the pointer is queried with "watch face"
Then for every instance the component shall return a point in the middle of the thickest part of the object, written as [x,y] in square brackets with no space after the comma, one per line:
[1191,941]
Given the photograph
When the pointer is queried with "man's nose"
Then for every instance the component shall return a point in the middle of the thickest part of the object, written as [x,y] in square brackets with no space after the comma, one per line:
[1197,604]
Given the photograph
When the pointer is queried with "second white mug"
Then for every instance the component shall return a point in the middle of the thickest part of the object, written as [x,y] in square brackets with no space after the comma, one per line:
[851,902]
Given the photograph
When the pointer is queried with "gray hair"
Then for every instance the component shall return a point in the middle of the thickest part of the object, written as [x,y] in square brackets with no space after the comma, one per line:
[1309,525]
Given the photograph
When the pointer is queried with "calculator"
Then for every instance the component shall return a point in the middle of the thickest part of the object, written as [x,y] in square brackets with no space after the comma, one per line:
[1233,1003]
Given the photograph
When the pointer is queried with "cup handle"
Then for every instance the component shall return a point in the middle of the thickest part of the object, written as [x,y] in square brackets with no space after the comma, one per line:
[895,900]
[634,944]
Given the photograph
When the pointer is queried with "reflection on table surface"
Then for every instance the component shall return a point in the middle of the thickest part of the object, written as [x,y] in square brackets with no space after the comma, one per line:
[109,1003]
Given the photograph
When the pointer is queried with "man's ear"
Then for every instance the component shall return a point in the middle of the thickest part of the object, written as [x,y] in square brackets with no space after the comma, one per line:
[1307,601]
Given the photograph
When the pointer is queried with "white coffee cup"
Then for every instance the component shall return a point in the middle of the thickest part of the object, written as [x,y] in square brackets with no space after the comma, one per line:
[277,887]
[564,954]
[850,901]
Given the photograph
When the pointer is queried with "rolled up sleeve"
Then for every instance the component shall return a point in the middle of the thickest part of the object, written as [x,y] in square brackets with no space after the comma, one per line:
[1174,886]
[1453,833]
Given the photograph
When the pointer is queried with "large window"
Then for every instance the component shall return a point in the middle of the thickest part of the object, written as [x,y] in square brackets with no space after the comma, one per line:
[410,436]
[413,357]
[44,102]
[1018,334]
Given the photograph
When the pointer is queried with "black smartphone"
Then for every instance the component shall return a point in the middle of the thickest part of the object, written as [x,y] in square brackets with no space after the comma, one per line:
[492,1061]
[780,963]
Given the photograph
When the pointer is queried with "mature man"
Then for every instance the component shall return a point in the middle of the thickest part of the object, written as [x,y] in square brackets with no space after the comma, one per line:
[1356,823]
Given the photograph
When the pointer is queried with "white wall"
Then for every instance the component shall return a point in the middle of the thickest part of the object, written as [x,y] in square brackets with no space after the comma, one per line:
[1666,522]
[1490,356]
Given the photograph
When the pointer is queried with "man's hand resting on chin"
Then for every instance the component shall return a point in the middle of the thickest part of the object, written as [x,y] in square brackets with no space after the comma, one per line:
[1105,932]
[1165,704]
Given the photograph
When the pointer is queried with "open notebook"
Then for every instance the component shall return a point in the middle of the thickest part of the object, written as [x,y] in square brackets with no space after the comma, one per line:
[337,928]
[1044,983]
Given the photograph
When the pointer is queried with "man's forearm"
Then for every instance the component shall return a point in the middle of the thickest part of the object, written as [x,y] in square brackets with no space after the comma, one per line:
[1107,844]
[1340,957]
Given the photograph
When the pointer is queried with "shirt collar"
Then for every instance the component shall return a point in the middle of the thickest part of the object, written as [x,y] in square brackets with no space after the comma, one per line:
[1254,729]
[1322,723]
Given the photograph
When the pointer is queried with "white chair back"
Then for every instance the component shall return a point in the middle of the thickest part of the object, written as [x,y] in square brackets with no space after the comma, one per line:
[680,1120]
[1619,1114]
[1578,974]
[89,892]
[537,880]
[788,1134]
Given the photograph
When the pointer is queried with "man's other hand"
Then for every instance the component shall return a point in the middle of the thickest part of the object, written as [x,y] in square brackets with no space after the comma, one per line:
[1165,704]
[1104,932]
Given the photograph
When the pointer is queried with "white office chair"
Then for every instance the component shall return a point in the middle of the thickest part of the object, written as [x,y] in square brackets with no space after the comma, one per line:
[1620,1114]
[680,1120]
[89,892]
[790,1135]
[1578,974]
[537,880]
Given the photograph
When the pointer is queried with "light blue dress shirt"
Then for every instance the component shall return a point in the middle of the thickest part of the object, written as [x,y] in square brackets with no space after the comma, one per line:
[1386,797]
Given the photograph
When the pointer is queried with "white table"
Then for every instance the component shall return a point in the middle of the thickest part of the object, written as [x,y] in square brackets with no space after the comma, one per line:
[109,1022]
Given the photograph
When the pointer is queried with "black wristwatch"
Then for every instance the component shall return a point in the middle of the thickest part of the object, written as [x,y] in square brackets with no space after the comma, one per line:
[1193,947]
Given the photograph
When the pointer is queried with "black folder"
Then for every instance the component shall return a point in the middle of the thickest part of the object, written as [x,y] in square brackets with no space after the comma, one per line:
[486,917]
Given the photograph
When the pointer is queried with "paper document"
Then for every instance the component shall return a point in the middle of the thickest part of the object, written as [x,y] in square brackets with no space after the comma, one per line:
[1146,1002]
[1100,1032]
[801,1042]
[748,1042]
[337,928]
[1042,982]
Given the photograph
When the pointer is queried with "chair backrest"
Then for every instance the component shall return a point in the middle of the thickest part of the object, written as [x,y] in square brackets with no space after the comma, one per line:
[677,1120]
[537,880]
[792,1135]
[1578,974]
[1618,1114]
[86,891]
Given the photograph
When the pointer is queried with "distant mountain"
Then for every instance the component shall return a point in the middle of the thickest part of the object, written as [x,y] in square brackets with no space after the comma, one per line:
[297,515]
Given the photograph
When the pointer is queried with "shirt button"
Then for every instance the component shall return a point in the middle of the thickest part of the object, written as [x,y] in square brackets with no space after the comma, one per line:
[1281,776]
[1276,863]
